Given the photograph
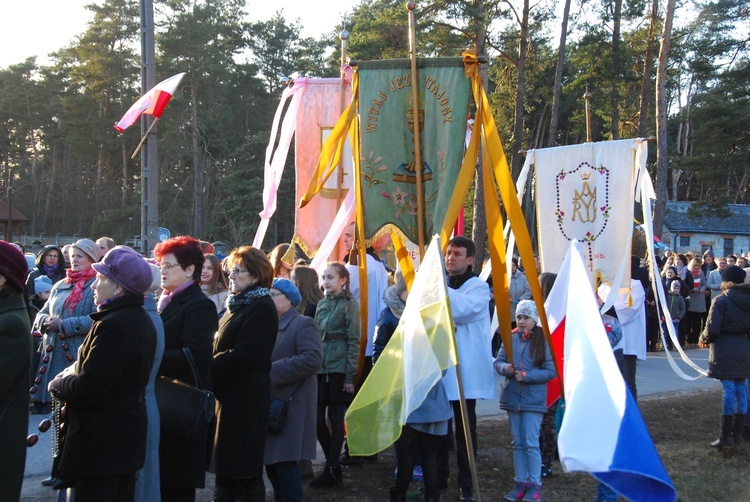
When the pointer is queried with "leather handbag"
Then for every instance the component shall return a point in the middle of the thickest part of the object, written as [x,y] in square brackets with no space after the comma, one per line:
[277,411]
[184,410]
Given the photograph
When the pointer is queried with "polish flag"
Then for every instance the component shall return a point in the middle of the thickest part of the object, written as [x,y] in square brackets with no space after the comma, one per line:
[151,103]
[554,308]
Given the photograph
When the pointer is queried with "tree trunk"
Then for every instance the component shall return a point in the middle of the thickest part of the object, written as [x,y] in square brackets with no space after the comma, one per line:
[197,230]
[617,74]
[555,119]
[523,47]
[479,222]
[647,70]
[661,120]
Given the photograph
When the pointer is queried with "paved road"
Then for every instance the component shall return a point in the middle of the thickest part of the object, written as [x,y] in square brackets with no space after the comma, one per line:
[654,377]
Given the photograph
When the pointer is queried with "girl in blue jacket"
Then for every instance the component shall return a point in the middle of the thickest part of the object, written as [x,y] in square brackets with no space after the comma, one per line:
[524,396]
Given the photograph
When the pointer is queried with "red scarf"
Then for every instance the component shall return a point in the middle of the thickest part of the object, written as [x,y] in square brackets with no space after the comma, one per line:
[78,279]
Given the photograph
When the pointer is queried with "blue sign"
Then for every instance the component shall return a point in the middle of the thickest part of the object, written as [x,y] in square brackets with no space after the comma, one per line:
[163,234]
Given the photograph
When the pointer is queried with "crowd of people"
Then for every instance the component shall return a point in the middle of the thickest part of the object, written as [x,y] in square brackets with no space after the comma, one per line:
[93,330]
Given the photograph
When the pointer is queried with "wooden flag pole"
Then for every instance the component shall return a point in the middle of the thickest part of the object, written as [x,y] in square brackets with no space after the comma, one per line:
[410,6]
[587,97]
[144,138]
[342,105]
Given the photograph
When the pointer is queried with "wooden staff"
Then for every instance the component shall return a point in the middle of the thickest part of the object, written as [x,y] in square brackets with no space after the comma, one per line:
[144,138]
[344,36]
[410,6]
[587,97]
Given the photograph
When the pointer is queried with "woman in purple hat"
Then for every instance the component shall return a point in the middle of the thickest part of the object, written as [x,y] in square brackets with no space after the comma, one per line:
[105,421]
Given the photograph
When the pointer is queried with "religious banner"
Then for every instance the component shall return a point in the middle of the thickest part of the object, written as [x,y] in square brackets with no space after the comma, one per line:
[586,192]
[319,110]
[388,127]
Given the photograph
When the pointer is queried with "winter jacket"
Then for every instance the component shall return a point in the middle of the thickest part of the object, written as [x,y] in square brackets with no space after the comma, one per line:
[106,411]
[297,355]
[676,305]
[240,375]
[727,330]
[531,393]
[76,325]
[37,272]
[189,321]
[713,282]
[15,358]
[697,294]
[337,319]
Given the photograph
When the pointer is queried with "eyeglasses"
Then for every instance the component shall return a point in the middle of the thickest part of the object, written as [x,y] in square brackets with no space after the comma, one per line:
[276,293]
[167,266]
[238,271]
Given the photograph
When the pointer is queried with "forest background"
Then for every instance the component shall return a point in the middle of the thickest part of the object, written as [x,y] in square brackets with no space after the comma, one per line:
[72,173]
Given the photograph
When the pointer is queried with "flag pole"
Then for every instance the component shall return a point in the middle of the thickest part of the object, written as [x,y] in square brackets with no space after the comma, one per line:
[344,36]
[144,138]
[410,6]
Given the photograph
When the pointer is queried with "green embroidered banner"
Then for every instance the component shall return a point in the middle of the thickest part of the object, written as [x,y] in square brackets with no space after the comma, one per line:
[388,126]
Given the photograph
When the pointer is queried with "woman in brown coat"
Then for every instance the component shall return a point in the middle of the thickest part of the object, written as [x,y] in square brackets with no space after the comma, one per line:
[297,357]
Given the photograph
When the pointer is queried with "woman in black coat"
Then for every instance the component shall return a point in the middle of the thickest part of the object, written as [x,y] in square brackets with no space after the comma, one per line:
[727,331]
[190,323]
[240,374]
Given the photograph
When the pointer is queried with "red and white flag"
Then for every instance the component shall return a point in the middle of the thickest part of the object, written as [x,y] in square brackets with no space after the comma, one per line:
[151,103]
[555,309]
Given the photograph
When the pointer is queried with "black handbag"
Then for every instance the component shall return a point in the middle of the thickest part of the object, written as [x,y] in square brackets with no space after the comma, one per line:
[184,410]
[277,411]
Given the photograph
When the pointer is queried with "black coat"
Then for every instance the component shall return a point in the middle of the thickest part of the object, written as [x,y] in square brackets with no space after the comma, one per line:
[189,321]
[242,362]
[106,418]
[727,330]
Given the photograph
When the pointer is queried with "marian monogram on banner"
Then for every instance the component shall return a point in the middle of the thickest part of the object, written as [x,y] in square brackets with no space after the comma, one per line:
[586,193]
[583,208]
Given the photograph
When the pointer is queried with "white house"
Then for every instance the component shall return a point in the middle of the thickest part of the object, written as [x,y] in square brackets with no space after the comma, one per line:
[687,231]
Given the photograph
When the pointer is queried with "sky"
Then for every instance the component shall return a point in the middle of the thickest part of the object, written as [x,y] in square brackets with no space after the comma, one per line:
[38,27]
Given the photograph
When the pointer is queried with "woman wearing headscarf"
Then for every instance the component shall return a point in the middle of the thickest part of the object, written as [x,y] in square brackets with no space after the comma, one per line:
[297,356]
[50,263]
[64,320]
[15,356]
[190,323]
[240,374]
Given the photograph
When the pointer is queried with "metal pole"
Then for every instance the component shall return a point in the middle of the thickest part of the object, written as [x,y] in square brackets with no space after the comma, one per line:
[149,159]
[410,6]
[9,227]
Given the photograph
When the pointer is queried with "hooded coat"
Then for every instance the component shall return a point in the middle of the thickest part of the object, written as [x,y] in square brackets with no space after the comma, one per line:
[38,271]
[727,330]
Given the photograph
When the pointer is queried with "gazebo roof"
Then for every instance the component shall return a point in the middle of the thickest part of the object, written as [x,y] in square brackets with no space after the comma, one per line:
[17,216]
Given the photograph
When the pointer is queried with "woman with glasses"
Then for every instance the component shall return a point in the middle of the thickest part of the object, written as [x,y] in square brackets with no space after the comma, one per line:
[240,374]
[190,323]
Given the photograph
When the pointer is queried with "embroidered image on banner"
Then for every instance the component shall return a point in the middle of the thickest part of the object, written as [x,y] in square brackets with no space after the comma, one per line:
[586,192]
[318,113]
[388,128]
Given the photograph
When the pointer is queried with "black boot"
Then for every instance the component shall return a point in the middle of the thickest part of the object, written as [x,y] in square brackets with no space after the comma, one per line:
[726,439]
[330,477]
[739,429]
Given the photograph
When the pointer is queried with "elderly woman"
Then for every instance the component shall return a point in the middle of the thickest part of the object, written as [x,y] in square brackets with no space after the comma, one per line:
[14,370]
[49,263]
[729,360]
[106,416]
[240,373]
[190,323]
[64,321]
[297,357]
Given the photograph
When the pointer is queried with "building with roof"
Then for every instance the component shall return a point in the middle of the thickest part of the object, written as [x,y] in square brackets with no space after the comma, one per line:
[689,229]
[15,220]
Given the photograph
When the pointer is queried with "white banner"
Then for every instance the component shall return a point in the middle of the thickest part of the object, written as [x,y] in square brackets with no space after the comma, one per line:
[586,192]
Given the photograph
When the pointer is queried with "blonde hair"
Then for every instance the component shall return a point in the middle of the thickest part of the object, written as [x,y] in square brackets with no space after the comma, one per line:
[217,283]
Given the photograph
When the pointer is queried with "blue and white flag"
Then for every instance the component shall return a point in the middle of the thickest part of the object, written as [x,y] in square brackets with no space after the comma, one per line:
[602,432]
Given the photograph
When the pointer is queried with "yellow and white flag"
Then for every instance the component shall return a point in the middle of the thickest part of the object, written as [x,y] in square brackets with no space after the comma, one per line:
[410,365]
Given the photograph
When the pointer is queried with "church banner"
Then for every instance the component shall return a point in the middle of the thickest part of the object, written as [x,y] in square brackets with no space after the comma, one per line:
[388,127]
[586,192]
[319,110]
